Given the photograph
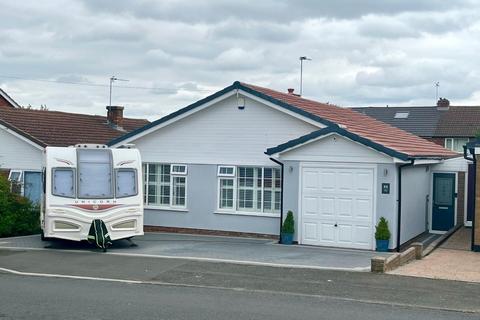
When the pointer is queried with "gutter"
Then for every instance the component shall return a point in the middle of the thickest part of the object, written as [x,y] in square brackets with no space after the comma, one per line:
[473,158]
[281,200]
[399,200]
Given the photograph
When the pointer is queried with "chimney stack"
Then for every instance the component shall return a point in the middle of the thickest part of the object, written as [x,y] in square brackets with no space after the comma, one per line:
[115,116]
[290,90]
[443,104]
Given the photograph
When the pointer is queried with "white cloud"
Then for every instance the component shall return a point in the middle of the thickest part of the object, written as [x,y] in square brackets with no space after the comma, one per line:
[364,52]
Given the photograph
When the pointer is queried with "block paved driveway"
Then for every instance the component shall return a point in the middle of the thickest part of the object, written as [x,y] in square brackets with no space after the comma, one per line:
[453,260]
[213,248]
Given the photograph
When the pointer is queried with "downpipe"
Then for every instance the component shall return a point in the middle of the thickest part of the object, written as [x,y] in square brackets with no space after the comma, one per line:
[281,199]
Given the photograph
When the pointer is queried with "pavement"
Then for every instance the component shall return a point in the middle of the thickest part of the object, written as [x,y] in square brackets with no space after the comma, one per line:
[215,249]
[453,260]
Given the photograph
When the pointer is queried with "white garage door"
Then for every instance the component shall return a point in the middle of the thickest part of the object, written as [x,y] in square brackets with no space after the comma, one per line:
[337,207]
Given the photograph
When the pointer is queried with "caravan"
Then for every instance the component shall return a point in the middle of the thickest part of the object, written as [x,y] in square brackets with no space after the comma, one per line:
[91,182]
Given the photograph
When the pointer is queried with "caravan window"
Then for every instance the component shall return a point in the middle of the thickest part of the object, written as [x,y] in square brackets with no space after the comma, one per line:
[126,183]
[95,174]
[63,184]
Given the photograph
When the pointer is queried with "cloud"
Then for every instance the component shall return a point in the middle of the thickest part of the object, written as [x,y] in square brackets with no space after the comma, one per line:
[175,52]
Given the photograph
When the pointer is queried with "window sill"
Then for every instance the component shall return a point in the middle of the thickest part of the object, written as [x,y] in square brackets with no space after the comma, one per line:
[165,208]
[252,214]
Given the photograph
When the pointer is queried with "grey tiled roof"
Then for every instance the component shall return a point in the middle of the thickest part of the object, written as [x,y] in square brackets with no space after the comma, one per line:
[421,121]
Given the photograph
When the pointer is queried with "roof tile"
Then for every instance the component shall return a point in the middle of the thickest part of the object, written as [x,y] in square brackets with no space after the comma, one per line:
[362,125]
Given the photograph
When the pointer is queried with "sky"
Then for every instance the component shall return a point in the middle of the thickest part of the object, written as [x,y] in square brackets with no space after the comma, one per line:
[61,53]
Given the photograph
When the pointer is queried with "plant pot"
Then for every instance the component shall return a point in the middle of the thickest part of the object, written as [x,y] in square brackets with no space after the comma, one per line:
[382,245]
[286,238]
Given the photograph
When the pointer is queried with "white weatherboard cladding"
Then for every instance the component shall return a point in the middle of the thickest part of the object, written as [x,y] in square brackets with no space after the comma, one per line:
[15,153]
[337,206]
[335,148]
[223,134]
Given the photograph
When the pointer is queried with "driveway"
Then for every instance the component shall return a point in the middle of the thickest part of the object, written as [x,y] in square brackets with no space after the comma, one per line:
[215,249]
[453,260]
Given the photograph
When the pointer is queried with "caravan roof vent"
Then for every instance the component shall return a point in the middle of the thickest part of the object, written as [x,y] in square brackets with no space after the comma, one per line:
[402,115]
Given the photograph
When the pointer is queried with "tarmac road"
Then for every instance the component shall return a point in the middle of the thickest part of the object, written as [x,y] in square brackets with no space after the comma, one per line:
[82,285]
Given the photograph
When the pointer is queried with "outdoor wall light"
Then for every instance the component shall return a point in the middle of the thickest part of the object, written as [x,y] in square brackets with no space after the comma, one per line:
[290,168]
[385,172]
[241,103]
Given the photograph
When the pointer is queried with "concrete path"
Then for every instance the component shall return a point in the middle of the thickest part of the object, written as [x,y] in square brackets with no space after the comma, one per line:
[220,249]
[453,260]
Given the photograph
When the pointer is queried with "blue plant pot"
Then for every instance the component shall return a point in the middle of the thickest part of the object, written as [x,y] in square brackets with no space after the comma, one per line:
[382,245]
[287,238]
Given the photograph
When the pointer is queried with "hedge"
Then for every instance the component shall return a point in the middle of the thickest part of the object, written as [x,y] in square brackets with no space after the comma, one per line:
[18,216]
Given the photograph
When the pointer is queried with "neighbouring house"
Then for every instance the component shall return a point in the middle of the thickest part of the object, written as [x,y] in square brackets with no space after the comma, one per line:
[472,153]
[24,134]
[238,160]
[450,126]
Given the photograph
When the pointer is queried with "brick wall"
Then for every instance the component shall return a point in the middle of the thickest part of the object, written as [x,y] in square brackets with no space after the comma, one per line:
[461,198]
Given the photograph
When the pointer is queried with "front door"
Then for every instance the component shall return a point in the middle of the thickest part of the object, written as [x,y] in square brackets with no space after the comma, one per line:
[32,188]
[443,206]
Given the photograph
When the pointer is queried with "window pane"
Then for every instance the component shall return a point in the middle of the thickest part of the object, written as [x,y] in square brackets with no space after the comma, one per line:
[226,194]
[126,183]
[458,144]
[158,184]
[249,189]
[63,183]
[95,174]
[179,191]
[271,190]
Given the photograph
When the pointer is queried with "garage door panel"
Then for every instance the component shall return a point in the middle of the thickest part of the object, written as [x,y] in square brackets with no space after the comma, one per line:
[327,232]
[310,231]
[364,182]
[345,181]
[310,180]
[327,207]
[345,233]
[327,181]
[363,208]
[345,207]
[337,196]
[362,235]
[310,206]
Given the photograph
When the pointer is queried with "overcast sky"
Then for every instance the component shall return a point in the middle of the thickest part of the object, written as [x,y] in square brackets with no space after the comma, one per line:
[363,52]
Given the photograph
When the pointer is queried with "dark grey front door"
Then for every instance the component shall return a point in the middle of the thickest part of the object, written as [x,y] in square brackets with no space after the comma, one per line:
[443,206]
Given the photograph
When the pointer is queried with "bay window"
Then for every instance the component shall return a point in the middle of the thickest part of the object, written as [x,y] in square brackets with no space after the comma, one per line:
[165,185]
[249,189]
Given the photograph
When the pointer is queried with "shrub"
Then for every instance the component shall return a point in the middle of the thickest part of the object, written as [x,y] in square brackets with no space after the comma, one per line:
[289,223]
[18,216]
[382,232]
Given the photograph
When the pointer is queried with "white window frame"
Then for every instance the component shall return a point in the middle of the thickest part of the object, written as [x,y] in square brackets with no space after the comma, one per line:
[183,172]
[170,206]
[235,209]
[452,143]
[20,176]
[74,182]
[233,174]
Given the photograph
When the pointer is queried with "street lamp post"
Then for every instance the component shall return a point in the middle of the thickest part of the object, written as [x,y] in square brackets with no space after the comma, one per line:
[301,72]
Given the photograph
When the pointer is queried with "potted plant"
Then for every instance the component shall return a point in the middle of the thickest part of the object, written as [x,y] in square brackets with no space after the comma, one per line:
[382,235]
[288,229]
